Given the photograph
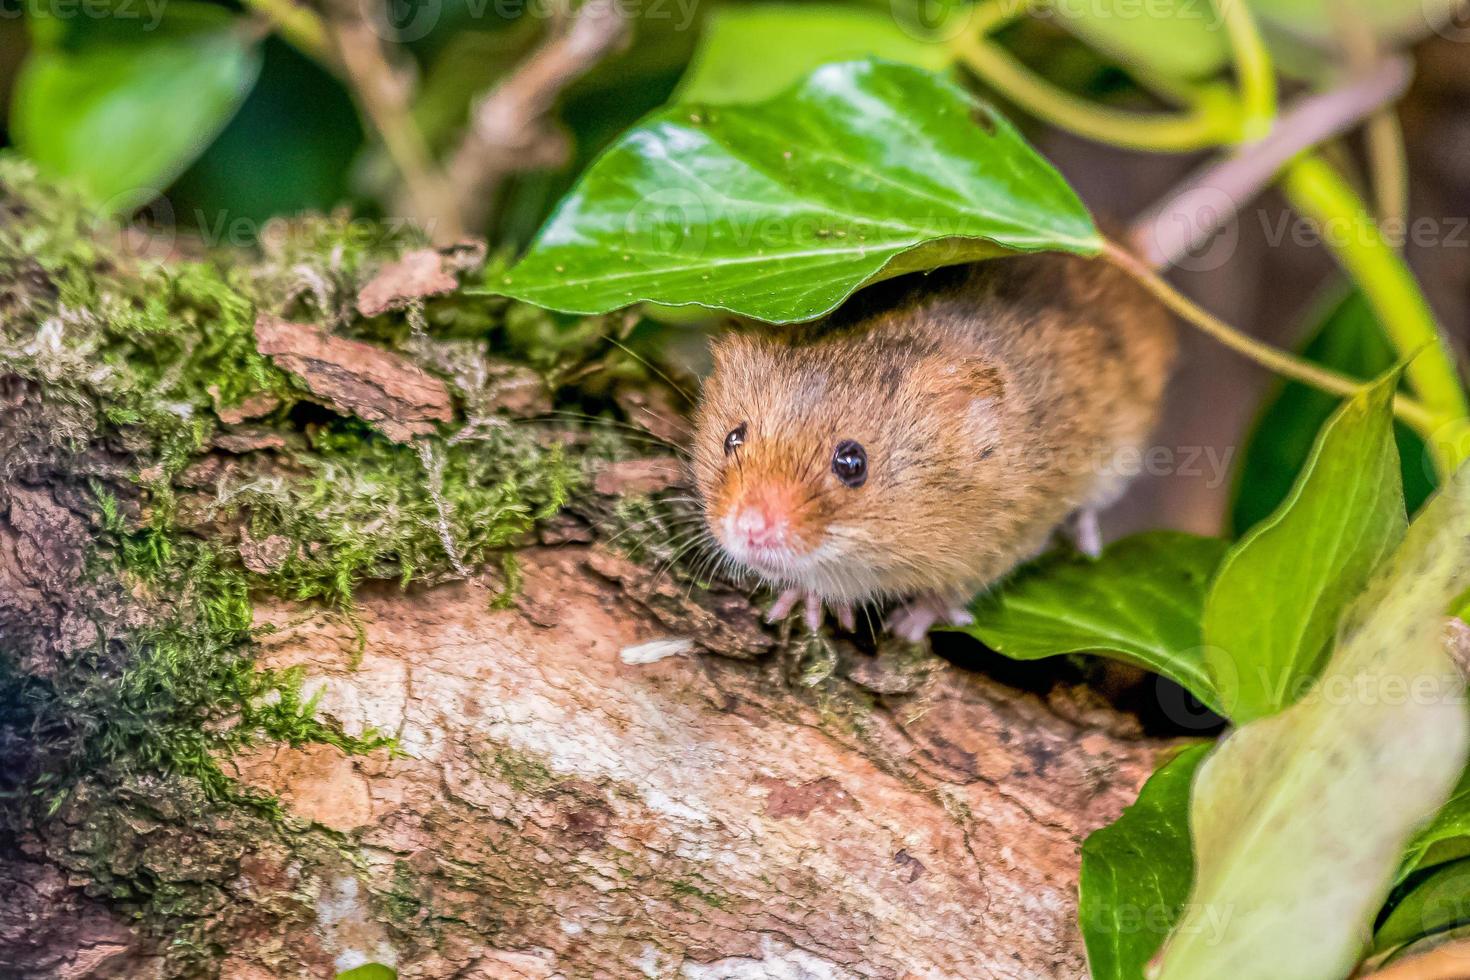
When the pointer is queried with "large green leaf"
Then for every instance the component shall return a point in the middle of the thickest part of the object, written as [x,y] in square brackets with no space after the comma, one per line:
[1272,609]
[792,41]
[1136,873]
[780,211]
[1299,819]
[1346,336]
[1140,603]
[121,107]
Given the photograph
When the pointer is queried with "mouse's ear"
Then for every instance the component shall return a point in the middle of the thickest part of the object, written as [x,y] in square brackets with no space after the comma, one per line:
[969,391]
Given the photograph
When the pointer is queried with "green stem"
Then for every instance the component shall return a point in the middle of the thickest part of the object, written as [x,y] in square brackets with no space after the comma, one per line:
[299,27]
[1320,193]
[1416,415]
[1254,73]
[1212,122]
[987,18]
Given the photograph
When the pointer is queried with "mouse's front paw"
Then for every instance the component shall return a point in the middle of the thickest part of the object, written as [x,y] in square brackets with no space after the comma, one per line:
[913,620]
[811,609]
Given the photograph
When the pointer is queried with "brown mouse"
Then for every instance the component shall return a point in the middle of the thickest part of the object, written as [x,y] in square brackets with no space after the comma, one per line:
[931,436]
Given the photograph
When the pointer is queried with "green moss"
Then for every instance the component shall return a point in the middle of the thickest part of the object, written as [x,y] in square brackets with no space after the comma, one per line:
[402,902]
[134,360]
[691,890]
[369,508]
[176,693]
[521,772]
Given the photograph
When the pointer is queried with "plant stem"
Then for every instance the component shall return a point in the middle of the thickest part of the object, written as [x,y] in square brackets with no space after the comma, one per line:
[299,27]
[382,93]
[1211,122]
[1416,415]
[987,18]
[1254,73]
[1319,192]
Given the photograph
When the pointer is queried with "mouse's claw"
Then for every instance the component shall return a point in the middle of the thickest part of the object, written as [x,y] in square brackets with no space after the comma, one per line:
[1085,533]
[913,620]
[812,608]
[781,608]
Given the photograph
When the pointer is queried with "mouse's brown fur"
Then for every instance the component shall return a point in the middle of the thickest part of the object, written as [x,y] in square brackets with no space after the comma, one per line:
[991,402]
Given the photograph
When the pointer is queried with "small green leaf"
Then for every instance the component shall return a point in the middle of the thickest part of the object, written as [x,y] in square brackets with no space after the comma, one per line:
[1139,603]
[122,107]
[1300,819]
[1440,902]
[1179,39]
[780,211]
[1447,837]
[792,41]
[369,971]
[1272,609]
[1136,873]
[1348,338]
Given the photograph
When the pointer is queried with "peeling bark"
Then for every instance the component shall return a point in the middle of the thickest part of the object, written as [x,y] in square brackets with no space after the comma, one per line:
[378,386]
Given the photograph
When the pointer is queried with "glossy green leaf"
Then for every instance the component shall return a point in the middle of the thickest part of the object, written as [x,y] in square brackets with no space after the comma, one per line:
[1347,337]
[792,41]
[1272,609]
[1139,603]
[121,108]
[1181,39]
[1300,819]
[1136,873]
[1439,902]
[780,211]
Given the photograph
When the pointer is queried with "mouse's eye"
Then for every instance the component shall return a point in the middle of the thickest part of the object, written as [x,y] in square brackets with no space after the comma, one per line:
[850,463]
[735,439]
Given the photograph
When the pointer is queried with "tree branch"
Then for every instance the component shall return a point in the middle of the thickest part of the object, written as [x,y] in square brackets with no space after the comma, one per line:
[509,127]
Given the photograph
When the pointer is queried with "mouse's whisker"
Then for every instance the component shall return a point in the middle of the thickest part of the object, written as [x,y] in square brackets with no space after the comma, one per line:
[627,429]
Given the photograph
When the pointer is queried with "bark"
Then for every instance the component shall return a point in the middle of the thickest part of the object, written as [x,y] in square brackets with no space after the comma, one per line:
[579,792]
[556,811]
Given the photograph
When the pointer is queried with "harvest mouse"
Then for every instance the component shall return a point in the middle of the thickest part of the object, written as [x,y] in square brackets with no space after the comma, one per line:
[931,436]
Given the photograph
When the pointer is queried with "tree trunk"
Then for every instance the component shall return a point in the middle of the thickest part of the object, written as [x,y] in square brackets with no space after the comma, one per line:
[557,806]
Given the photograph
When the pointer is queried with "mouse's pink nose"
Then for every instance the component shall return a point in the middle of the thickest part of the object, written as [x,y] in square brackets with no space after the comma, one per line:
[757,528]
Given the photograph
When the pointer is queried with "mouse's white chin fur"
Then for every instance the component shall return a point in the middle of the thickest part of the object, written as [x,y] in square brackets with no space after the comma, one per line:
[826,571]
